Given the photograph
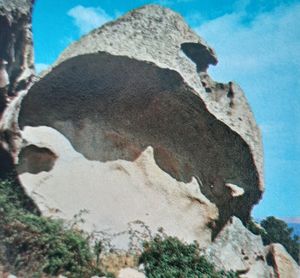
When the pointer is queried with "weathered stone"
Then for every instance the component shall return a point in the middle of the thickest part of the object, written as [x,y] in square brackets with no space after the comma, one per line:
[115,193]
[235,190]
[10,136]
[160,36]
[236,248]
[130,273]
[16,47]
[284,265]
[138,82]
[16,42]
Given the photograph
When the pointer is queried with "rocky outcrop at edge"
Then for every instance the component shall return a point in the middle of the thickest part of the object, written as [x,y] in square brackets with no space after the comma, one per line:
[16,47]
[16,42]
[284,265]
[236,248]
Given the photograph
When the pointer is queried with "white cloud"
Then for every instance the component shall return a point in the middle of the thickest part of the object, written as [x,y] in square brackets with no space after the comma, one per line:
[88,18]
[39,67]
[270,39]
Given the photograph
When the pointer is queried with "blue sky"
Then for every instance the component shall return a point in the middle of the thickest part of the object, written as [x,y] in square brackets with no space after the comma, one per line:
[258,46]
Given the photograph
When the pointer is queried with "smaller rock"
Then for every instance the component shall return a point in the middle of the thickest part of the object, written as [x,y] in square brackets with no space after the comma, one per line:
[236,191]
[235,241]
[141,267]
[284,265]
[130,273]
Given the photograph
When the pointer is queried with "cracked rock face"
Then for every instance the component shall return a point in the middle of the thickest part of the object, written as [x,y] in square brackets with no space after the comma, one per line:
[133,89]
[236,248]
[16,42]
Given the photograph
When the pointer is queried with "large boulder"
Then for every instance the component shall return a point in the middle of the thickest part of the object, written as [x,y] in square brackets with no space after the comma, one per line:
[160,36]
[128,125]
[236,248]
[283,263]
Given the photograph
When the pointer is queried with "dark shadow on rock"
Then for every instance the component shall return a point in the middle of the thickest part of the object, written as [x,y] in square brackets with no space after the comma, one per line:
[34,160]
[113,107]
[199,54]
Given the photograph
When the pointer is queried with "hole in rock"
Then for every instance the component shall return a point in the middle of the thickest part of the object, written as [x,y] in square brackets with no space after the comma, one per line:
[199,54]
[34,160]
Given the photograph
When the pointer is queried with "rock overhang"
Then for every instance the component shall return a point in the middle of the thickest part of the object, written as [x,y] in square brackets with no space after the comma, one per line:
[159,35]
[113,107]
[141,81]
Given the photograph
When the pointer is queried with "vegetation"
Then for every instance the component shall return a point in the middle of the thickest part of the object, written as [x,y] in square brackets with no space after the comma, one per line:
[34,244]
[168,257]
[274,230]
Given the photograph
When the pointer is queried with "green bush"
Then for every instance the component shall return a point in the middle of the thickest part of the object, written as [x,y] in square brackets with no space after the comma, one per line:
[168,257]
[274,230]
[278,231]
[34,245]
[255,228]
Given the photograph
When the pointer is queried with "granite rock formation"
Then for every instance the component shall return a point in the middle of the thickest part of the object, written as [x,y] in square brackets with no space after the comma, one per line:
[116,194]
[128,125]
[236,248]
[284,265]
[16,47]
[141,81]
[16,42]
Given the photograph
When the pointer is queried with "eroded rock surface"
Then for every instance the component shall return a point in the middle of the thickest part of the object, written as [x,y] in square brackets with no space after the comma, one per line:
[236,248]
[135,85]
[16,47]
[161,36]
[16,42]
[116,193]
